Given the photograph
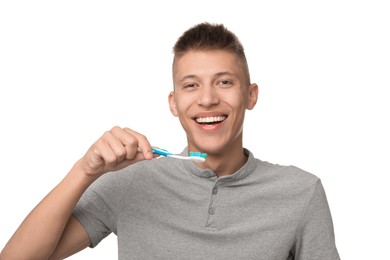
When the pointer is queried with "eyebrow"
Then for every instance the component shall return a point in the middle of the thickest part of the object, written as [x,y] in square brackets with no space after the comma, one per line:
[188,77]
[216,75]
[225,73]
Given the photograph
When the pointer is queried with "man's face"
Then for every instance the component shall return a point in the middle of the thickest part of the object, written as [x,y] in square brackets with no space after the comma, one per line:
[210,99]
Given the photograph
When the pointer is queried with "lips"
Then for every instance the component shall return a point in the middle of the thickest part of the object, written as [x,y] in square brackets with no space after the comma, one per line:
[209,120]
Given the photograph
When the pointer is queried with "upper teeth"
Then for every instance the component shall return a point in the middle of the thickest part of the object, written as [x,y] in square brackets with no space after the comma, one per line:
[210,119]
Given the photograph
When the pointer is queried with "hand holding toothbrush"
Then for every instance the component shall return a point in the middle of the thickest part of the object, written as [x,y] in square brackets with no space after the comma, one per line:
[115,150]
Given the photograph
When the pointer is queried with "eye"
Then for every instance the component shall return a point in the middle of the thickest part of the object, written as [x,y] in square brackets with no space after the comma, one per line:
[189,85]
[225,83]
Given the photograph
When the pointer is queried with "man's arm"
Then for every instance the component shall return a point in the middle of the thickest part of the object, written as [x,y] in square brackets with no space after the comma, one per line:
[73,239]
[50,230]
[40,232]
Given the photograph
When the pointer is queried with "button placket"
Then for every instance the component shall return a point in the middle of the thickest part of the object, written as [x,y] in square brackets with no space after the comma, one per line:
[214,192]
[212,206]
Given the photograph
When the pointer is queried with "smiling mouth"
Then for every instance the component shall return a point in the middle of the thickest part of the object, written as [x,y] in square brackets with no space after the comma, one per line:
[210,120]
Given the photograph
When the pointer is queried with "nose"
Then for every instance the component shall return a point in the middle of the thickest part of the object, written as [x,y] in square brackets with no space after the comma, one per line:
[208,96]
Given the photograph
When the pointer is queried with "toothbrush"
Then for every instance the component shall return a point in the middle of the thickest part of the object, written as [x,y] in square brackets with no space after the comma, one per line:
[194,156]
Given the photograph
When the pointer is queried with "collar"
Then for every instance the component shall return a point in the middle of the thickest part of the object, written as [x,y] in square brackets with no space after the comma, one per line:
[245,170]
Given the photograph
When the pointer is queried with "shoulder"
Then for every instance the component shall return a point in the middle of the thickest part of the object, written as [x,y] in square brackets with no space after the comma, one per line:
[289,179]
[143,171]
[286,172]
[113,187]
[275,171]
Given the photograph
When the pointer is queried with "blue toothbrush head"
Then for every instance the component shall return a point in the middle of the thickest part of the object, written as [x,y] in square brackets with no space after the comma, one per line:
[198,154]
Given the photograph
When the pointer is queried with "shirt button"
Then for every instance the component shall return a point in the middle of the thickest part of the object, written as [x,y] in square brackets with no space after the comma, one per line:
[215,190]
[212,211]
[207,174]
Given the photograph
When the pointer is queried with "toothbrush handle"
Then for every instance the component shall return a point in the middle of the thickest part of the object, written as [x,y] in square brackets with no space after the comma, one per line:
[160,151]
[191,158]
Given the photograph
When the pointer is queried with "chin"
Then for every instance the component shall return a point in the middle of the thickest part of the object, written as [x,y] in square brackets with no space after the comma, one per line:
[209,147]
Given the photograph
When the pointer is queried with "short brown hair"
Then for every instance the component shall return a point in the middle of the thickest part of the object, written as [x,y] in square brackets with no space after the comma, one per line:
[206,36]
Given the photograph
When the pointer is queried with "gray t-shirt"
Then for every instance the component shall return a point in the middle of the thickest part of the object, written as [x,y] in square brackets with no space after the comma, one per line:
[171,209]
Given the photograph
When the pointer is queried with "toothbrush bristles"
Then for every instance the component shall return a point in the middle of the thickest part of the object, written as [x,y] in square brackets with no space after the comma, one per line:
[198,154]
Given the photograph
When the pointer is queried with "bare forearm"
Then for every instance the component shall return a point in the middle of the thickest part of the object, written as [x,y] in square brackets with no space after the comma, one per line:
[49,229]
[38,235]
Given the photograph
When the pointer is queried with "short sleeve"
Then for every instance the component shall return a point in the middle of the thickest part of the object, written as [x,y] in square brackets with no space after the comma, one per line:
[99,206]
[315,237]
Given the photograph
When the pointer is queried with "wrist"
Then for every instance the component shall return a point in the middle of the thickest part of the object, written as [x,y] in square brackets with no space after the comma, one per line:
[81,175]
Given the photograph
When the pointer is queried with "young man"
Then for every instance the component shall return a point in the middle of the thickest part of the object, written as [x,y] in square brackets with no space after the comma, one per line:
[233,206]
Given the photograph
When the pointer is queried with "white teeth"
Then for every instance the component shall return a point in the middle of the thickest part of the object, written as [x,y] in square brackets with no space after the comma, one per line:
[211,119]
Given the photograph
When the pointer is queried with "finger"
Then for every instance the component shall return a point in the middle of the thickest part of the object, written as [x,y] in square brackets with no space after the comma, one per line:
[110,149]
[125,144]
[137,158]
[142,142]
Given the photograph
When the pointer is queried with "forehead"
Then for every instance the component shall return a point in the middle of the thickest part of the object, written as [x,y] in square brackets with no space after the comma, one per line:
[209,62]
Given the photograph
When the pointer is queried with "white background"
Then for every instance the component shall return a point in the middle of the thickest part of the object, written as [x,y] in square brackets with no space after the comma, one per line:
[70,70]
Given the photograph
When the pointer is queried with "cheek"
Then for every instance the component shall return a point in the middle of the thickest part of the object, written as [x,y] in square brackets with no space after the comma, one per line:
[183,102]
[236,100]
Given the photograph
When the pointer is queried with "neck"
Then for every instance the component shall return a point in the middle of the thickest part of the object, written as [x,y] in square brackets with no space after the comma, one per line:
[225,163]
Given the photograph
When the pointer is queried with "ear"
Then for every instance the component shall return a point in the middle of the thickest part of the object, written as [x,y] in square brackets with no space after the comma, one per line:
[172,103]
[253,95]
